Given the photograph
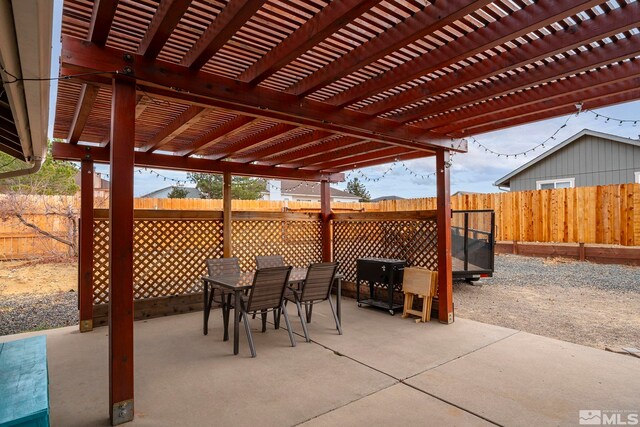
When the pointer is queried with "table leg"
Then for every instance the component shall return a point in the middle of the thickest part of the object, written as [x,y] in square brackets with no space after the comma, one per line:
[226,308]
[205,314]
[236,322]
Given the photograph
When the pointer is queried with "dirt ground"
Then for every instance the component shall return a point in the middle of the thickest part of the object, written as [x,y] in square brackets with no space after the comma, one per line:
[529,294]
[32,277]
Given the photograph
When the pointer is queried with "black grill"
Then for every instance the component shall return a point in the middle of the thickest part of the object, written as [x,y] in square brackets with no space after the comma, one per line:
[384,277]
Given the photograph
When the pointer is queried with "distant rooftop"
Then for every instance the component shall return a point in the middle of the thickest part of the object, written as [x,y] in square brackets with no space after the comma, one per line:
[383,198]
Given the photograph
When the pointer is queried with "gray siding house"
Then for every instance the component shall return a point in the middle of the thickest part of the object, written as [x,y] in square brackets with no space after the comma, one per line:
[586,159]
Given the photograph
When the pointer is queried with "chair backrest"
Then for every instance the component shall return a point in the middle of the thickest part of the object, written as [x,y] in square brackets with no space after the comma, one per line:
[223,266]
[268,288]
[269,261]
[317,285]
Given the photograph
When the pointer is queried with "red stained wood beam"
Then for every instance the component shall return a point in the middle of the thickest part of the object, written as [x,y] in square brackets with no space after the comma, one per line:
[181,123]
[85,240]
[445,273]
[430,19]
[596,29]
[402,157]
[341,150]
[63,151]
[162,24]
[325,216]
[356,159]
[86,99]
[573,64]
[304,152]
[322,25]
[123,105]
[101,19]
[218,134]
[235,14]
[251,141]
[140,106]
[519,23]
[171,81]
[602,100]
[283,146]
[569,89]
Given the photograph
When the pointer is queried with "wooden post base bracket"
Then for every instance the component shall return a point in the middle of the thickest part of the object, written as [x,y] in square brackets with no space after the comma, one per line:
[122,412]
[86,325]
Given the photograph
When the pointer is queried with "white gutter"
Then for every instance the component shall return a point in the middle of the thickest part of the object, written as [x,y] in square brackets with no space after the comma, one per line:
[25,51]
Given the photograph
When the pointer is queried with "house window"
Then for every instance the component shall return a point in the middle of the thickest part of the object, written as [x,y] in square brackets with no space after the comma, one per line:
[550,184]
[638,177]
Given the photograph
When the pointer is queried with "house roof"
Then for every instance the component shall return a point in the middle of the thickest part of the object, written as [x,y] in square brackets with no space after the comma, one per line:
[192,192]
[302,188]
[307,89]
[504,181]
[383,198]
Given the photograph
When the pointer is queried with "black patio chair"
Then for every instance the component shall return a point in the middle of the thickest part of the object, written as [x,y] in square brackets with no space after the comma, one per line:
[316,288]
[267,294]
[220,267]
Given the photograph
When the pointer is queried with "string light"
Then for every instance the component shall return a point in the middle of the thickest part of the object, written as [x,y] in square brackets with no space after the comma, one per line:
[620,122]
[525,152]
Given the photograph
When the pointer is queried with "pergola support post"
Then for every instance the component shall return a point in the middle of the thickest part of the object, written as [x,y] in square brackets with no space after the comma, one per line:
[325,215]
[85,261]
[445,276]
[227,238]
[123,106]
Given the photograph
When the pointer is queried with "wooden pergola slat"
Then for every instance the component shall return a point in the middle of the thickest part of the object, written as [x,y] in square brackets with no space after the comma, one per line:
[87,97]
[162,25]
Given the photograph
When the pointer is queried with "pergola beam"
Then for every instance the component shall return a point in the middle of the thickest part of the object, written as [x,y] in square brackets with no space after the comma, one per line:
[571,65]
[302,152]
[63,151]
[86,99]
[341,150]
[558,109]
[259,138]
[162,25]
[330,19]
[569,90]
[519,23]
[207,89]
[218,134]
[354,162]
[430,19]
[175,128]
[297,142]
[101,19]
[234,15]
[401,157]
[593,30]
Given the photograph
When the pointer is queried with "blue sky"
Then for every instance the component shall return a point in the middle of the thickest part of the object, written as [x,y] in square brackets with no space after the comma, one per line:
[475,171]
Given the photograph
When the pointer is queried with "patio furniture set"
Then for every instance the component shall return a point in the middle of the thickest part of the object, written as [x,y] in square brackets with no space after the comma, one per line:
[268,289]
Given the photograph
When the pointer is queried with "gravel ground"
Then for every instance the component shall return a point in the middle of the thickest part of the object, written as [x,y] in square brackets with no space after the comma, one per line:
[22,313]
[591,304]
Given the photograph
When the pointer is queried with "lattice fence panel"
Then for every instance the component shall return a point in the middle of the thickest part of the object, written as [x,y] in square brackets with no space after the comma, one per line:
[414,241]
[299,242]
[168,256]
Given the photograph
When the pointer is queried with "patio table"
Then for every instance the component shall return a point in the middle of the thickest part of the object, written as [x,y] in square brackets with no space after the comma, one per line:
[240,282]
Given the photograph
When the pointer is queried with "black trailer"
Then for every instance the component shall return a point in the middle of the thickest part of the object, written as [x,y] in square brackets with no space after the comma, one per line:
[472,243]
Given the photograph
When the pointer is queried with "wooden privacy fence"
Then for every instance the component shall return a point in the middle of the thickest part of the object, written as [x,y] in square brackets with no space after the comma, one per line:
[604,214]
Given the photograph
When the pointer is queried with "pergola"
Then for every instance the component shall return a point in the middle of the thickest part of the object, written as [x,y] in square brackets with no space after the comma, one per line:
[308,89]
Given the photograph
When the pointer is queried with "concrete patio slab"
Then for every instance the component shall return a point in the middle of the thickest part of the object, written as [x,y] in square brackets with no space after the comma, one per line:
[183,378]
[398,405]
[527,380]
[399,347]
[384,370]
